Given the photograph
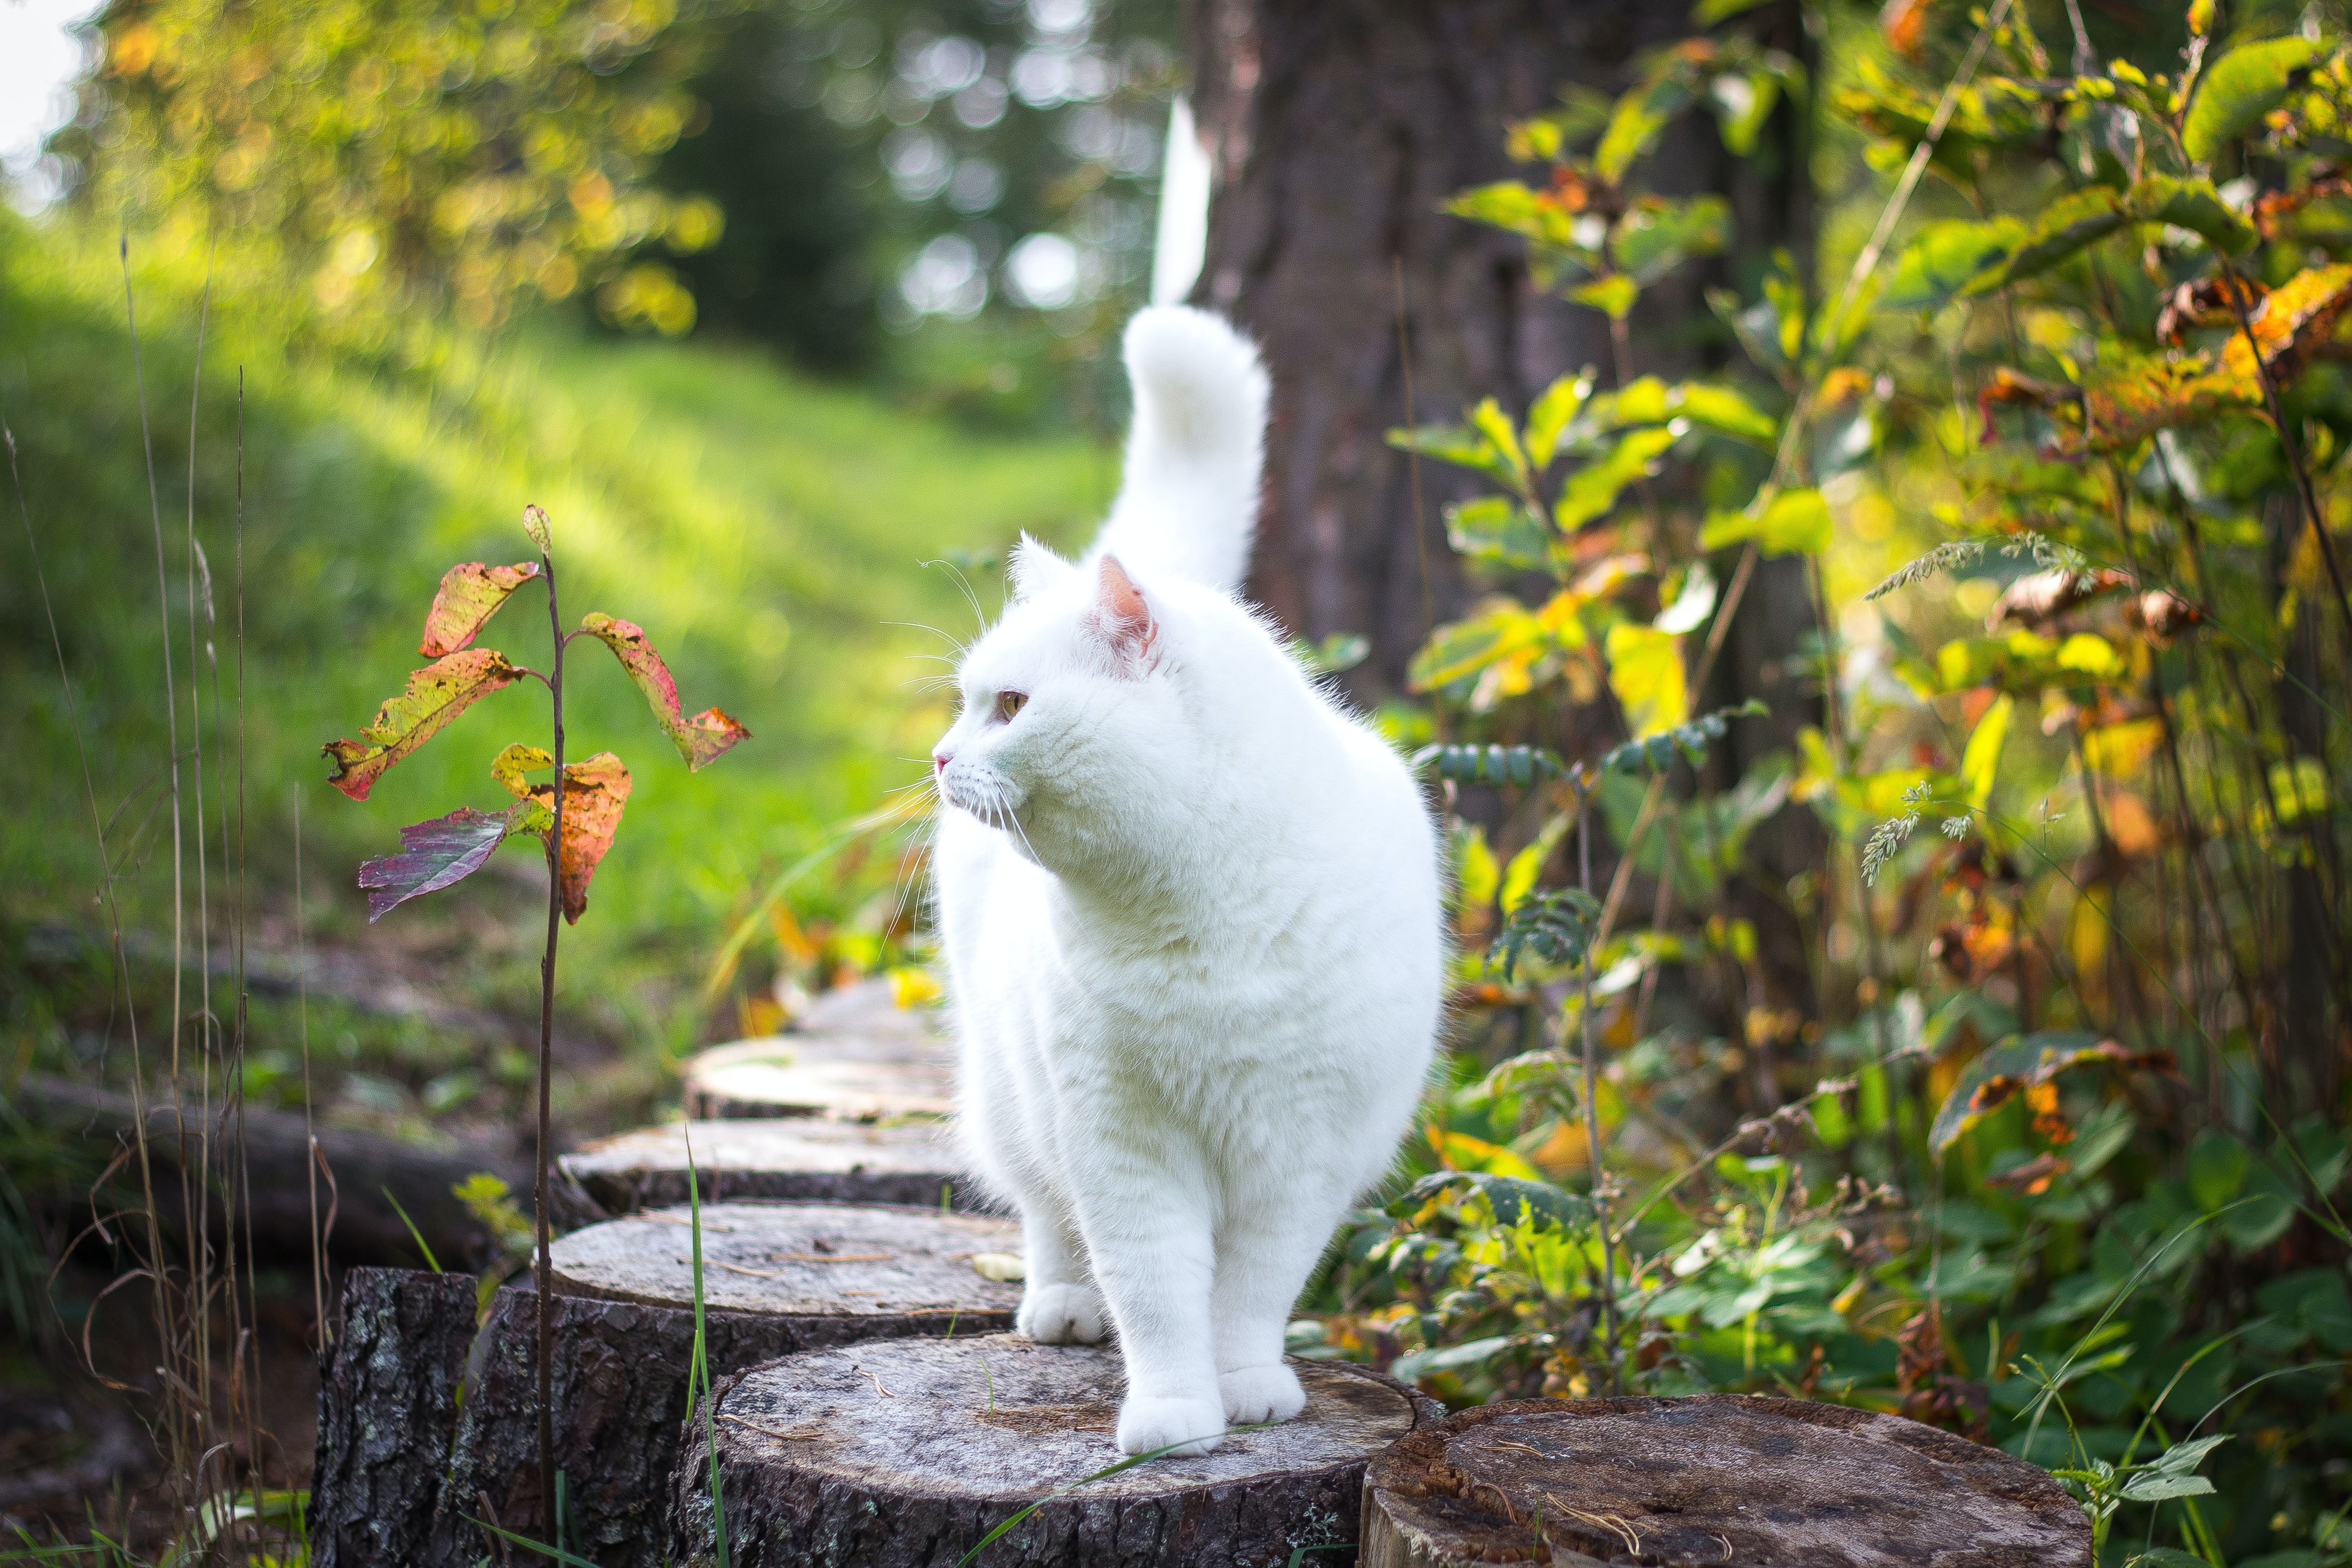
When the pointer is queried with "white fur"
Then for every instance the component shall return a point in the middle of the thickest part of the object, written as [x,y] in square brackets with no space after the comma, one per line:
[1192,923]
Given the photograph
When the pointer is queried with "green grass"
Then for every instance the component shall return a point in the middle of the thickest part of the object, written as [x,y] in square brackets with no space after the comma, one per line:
[768,532]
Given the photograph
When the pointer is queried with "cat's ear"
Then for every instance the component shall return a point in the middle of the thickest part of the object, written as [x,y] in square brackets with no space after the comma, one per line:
[1035,568]
[1119,616]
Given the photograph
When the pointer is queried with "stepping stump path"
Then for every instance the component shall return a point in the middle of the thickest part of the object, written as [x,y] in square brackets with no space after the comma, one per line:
[906,1453]
[778,1278]
[812,1160]
[1715,1479]
[855,1055]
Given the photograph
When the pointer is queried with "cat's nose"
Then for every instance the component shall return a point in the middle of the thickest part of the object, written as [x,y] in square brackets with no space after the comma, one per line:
[938,761]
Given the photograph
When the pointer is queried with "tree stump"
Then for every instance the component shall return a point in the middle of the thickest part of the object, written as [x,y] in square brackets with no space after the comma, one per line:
[778,1278]
[905,1454]
[387,1411]
[1714,1479]
[814,1161]
[856,1056]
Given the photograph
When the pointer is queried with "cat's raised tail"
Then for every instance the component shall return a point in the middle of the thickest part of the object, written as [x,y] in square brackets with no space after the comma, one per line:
[1189,503]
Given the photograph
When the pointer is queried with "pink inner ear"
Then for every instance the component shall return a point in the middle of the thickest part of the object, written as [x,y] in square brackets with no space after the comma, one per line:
[1121,608]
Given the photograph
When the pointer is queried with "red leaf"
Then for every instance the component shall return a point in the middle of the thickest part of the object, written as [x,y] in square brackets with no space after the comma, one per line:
[435,695]
[469,595]
[595,792]
[705,738]
[435,855]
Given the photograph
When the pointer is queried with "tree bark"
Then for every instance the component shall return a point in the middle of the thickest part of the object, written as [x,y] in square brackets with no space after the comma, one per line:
[1339,129]
[387,1410]
[624,1340]
[906,1453]
[797,1158]
[1716,1478]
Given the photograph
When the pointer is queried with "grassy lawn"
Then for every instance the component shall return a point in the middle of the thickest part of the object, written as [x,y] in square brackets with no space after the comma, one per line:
[769,532]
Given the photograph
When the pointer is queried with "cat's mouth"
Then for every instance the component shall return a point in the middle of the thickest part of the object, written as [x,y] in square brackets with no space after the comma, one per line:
[983,794]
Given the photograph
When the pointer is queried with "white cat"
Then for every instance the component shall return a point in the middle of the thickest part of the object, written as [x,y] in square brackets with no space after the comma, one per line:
[1191,920]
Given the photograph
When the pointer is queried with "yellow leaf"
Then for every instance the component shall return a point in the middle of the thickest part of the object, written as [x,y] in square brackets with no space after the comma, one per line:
[1475,872]
[1646,671]
[2121,750]
[911,986]
[1461,1152]
[2091,655]
[1519,876]
[1981,761]
[1793,522]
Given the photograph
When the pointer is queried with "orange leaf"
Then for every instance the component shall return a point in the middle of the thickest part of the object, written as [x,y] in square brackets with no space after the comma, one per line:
[469,596]
[595,792]
[435,695]
[703,738]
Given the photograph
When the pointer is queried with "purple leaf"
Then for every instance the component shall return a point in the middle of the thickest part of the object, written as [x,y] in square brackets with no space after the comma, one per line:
[433,855]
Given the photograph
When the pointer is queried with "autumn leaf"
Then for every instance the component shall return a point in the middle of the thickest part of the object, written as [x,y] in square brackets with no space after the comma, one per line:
[595,792]
[436,853]
[435,695]
[1646,671]
[703,738]
[469,596]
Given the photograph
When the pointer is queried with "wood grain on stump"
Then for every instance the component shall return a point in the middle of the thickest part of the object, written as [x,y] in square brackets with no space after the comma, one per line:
[906,1453]
[815,1161]
[1716,1478]
[855,1056]
[387,1411]
[778,1278]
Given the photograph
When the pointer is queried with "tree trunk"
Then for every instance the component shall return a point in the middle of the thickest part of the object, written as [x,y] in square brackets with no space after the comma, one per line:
[856,1056]
[1339,129]
[1717,1477]
[387,1410]
[790,1157]
[906,1453]
[779,1278]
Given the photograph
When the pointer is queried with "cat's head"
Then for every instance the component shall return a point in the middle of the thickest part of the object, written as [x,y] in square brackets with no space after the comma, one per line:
[1075,718]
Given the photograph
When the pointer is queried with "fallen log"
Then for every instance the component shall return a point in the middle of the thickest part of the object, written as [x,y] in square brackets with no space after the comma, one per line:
[1711,1479]
[909,1452]
[362,1165]
[387,1410]
[778,1279]
[855,1056]
[815,1161]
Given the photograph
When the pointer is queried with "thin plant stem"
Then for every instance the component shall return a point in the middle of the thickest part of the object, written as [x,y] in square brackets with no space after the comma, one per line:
[1593,1107]
[545,1265]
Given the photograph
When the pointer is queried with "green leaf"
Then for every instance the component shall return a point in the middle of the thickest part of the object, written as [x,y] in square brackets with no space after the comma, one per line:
[2238,89]
[1493,426]
[2167,1557]
[2195,205]
[435,855]
[1556,923]
[702,739]
[469,596]
[1945,258]
[1511,205]
[1453,443]
[1516,765]
[1475,874]
[2147,1488]
[435,695]
[1498,528]
[1500,628]
[1416,1365]
[1645,671]
[2266,1207]
[1560,402]
[1655,235]
[1613,296]
[1980,761]
[1793,522]
[1999,1075]
[1707,13]
[2066,227]
[1691,740]
[1519,876]
[1724,410]
[1337,654]
[534,523]
[2217,1169]
[1591,491]
[1509,1196]
[1743,102]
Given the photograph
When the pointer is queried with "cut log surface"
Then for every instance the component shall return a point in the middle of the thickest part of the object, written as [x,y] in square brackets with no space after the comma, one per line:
[906,1453]
[855,1056]
[778,1279]
[818,1161]
[387,1411]
[1715,1479]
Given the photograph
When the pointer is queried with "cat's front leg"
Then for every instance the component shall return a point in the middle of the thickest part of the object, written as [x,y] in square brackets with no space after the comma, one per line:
[1154,1259]
[1264,1258]
[1059,1304]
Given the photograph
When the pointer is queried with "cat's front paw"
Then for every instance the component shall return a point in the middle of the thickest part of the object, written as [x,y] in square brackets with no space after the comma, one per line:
[1184,1427]
[1061,1315]
[1255,1394]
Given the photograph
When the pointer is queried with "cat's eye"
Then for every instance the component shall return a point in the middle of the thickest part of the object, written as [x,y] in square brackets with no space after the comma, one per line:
[1009,702]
